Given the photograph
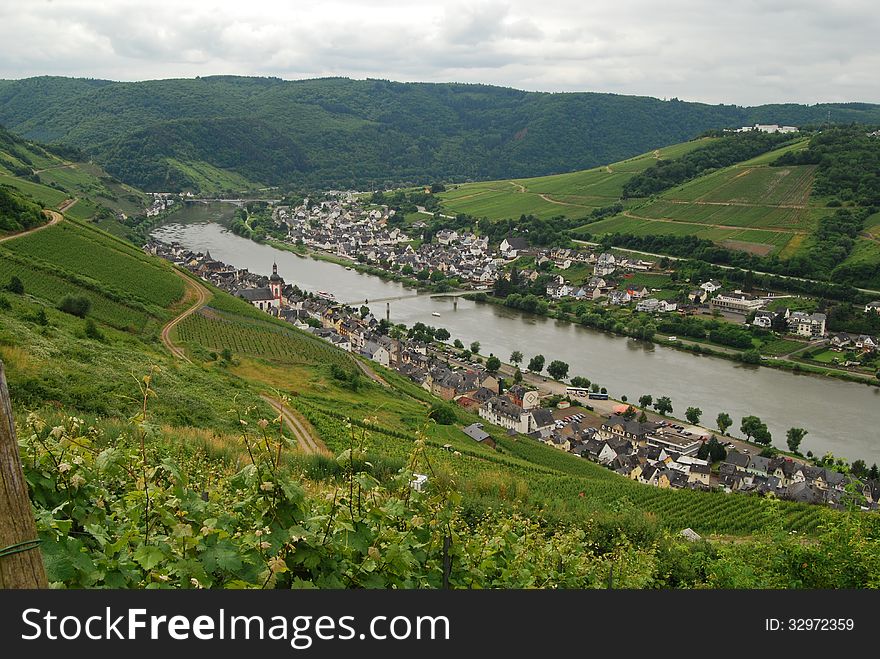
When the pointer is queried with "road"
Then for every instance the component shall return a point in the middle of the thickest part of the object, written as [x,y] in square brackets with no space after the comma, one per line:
[202,296]
[723,267]
[305,440]
[56,218]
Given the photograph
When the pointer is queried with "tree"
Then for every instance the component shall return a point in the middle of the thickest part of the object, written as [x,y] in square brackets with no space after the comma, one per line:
[645,400]
[442,334]
[603,390]
[874,474]
[442,413]
[594,387]
[437,276]
[643,418]
[580,381]
[365,310]
[516,357]
[724,422]
[663,405]
[226,355]
[630,413]
[557,369]
[859,469]
[15,285]
[693,414]
[753,428]
[517,376]
[475,347]
[76,306]
[794,437]
[458,344]
[493,364]
[536,364]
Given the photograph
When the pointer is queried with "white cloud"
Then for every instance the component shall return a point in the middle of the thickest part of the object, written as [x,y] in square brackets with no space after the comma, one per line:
[732,51]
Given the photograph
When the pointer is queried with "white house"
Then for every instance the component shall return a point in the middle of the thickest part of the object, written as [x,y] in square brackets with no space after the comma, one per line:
[501,411]
[808,325]
[711,286]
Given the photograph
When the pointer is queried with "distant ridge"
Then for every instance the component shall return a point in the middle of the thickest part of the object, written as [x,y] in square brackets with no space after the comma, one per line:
[361,133]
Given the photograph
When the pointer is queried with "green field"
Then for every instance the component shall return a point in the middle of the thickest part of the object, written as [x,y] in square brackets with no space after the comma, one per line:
[40,193]
[749,206]
[574,194]
[761,241]
[212,179]
[128,290]
[217,330]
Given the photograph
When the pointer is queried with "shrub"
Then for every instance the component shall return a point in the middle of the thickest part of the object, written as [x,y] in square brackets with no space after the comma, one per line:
[75,306]
[442,413]
[15,286]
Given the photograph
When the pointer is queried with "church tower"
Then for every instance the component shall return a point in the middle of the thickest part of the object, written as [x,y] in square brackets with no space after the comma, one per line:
[276,284]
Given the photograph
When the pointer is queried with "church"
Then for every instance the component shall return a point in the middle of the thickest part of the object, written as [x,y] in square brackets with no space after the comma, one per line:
[265,299]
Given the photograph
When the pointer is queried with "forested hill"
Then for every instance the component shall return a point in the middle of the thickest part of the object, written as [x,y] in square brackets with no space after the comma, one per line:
[339,132]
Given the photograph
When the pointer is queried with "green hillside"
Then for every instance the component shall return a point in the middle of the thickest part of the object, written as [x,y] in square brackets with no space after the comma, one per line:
[47,176]
[337,132]
[77,383]
[574,194]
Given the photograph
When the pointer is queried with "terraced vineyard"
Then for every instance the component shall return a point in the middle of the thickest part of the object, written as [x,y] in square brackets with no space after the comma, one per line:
[217,330]
[71,246]
[749,206]
[127,289]
[574,194]
[541,474]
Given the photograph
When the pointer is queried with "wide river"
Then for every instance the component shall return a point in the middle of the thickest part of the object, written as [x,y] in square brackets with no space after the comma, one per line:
[841,417]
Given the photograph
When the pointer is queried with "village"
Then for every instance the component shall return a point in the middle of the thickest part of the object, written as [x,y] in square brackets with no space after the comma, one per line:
[344,227]
[659,452]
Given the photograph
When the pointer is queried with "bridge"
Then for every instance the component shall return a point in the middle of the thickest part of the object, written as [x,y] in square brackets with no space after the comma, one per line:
[237,202]
[367,301]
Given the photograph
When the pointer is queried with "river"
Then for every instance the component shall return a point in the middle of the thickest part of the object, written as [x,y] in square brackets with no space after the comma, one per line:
[841,417]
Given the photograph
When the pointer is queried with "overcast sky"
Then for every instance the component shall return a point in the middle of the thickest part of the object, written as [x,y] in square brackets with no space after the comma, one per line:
[744,52]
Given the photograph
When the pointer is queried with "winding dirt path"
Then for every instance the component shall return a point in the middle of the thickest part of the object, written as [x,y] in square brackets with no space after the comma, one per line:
[305,440]
[369,372]
[55,216]
[202,296]
[65,205]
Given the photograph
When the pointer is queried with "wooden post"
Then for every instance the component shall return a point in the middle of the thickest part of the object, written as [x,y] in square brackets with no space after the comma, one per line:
[22,569]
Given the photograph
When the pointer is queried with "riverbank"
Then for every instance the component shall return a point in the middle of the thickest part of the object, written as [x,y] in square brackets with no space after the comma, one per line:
[408,282]
[702,348]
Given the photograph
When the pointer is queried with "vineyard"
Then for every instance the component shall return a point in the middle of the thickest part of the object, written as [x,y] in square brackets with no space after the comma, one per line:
[51,284]
[80,249]
[219,330]
[567,483]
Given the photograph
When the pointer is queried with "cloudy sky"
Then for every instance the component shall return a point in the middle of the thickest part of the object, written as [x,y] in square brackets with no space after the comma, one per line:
[717,51]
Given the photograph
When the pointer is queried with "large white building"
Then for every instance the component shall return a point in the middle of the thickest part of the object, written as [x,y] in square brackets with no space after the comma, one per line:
[810,325]
[737,302]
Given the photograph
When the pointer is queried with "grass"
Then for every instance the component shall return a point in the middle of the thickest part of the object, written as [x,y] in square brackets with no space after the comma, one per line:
[775,240]
[216,330]
[573,194]
[40,193]
[211,179]
[74,247]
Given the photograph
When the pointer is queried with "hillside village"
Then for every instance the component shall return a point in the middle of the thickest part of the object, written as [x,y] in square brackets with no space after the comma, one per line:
[658,453]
